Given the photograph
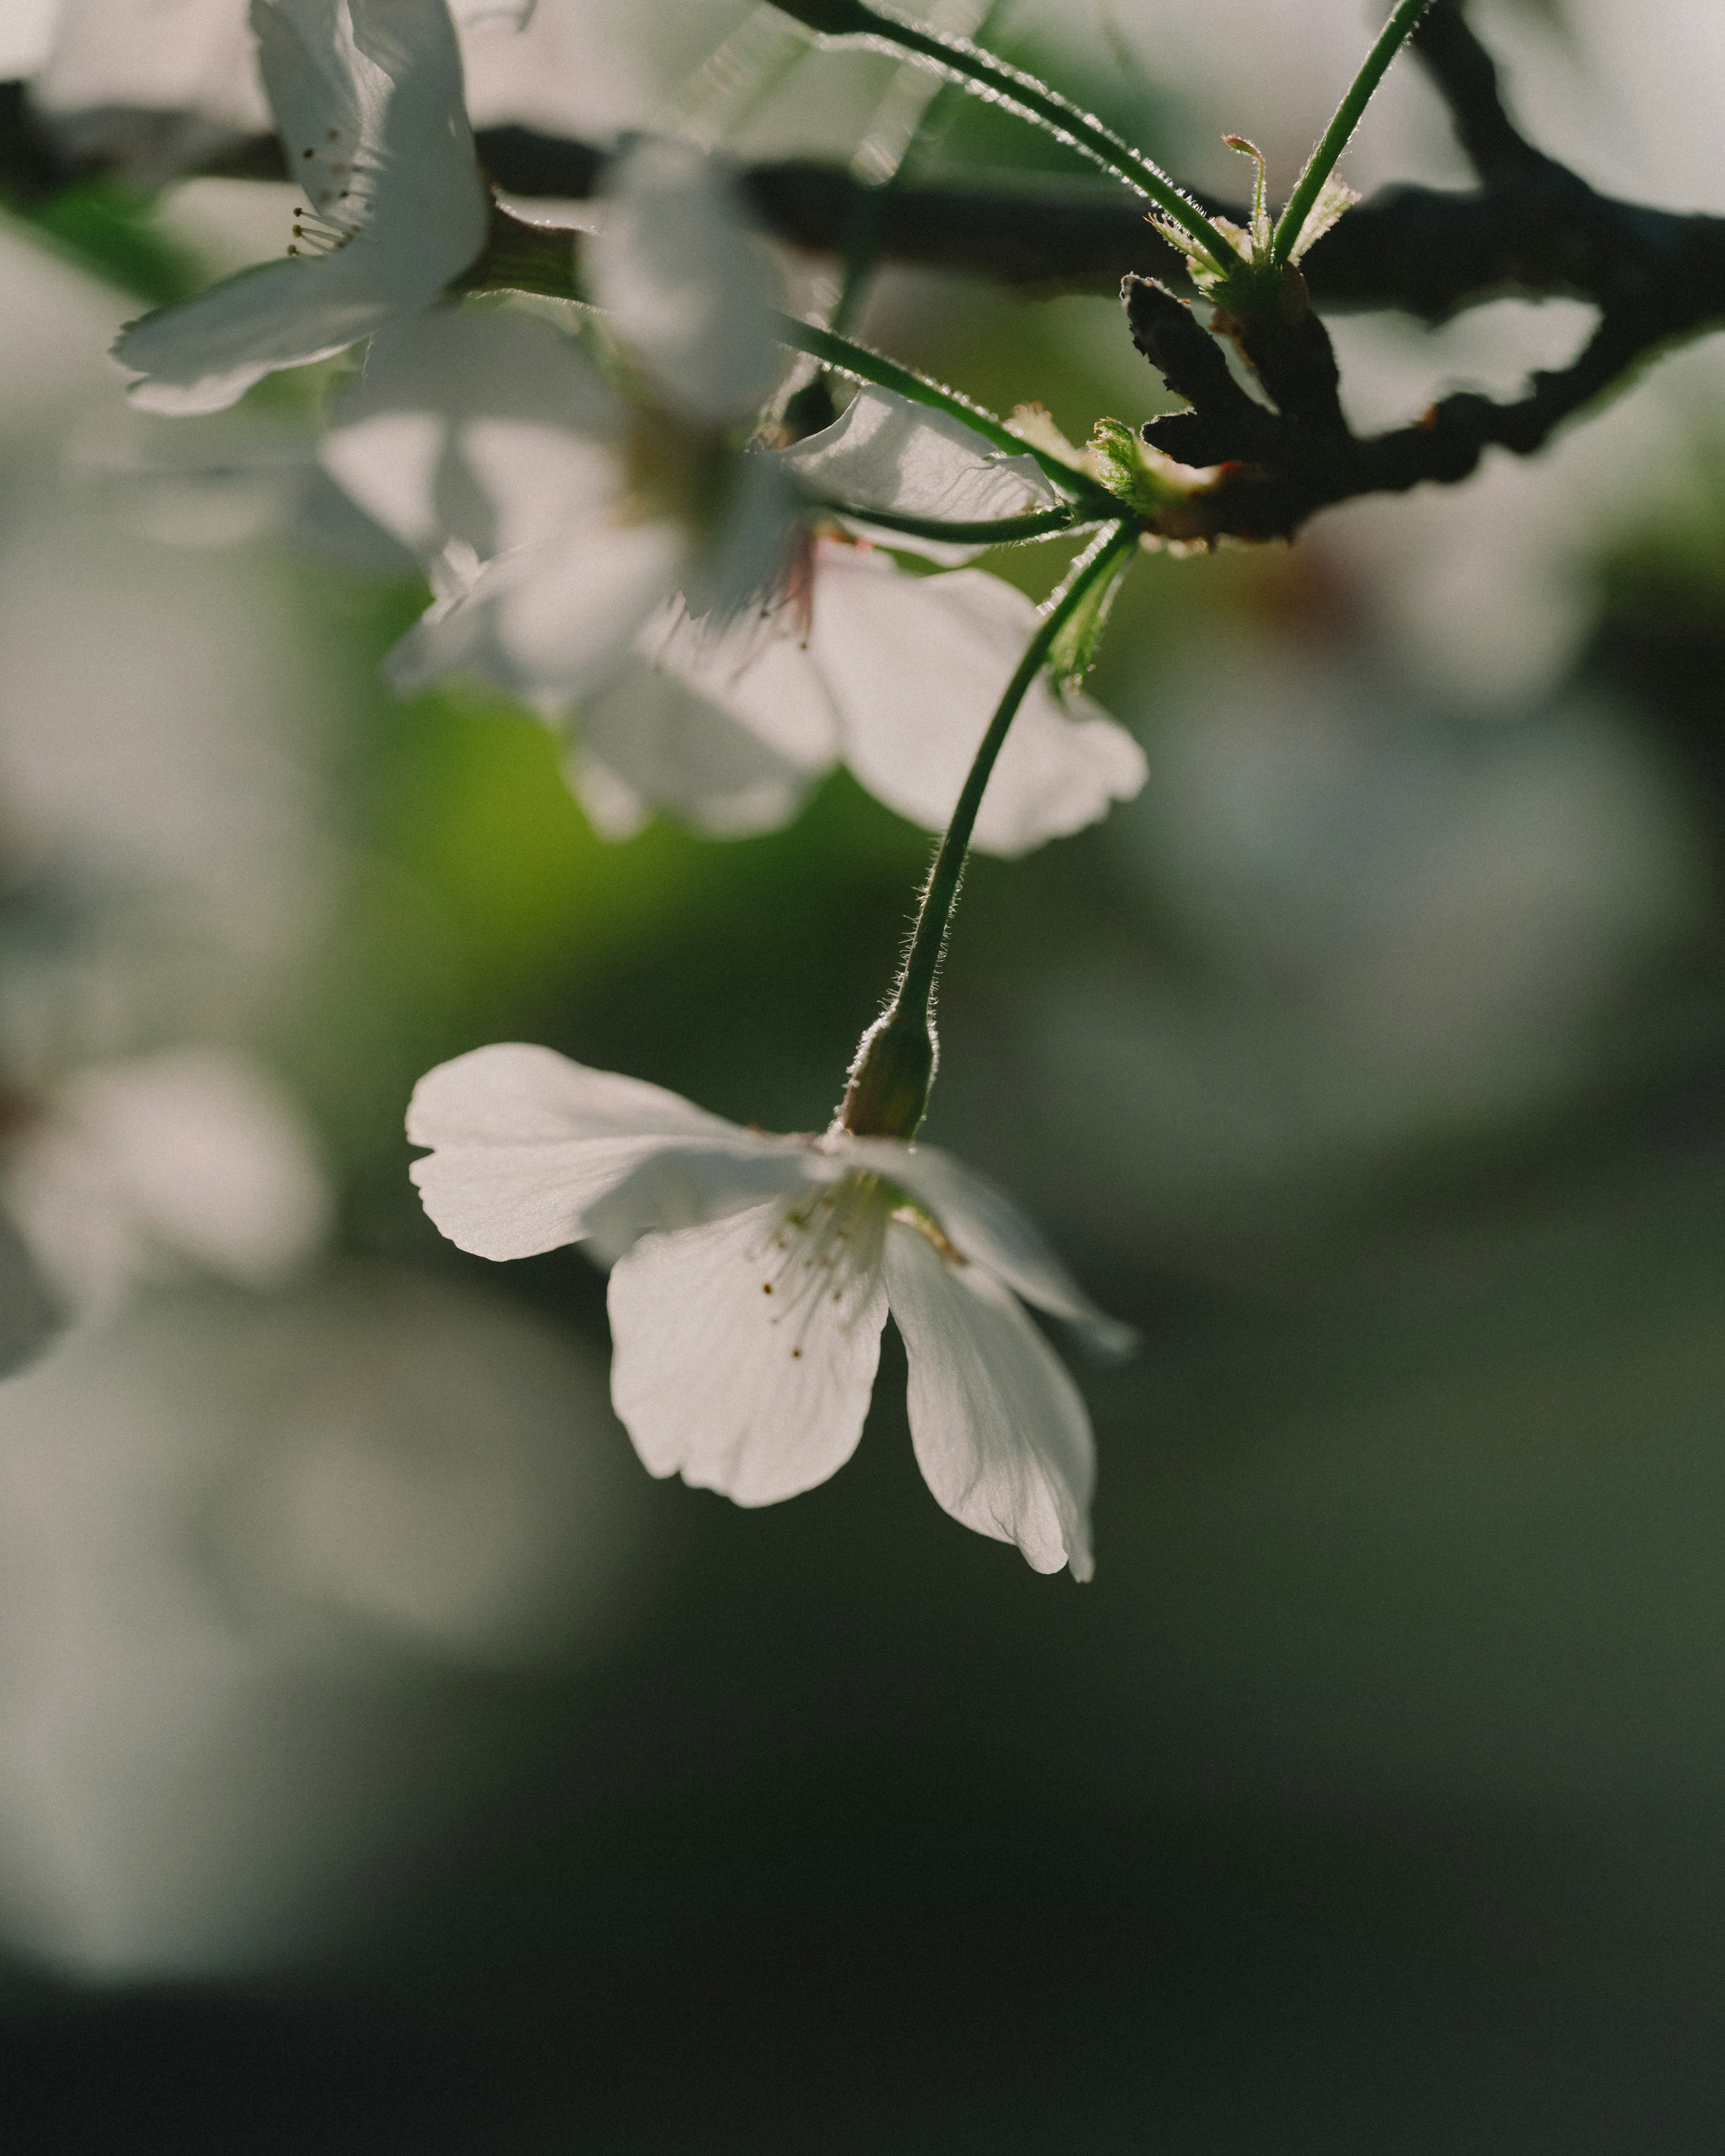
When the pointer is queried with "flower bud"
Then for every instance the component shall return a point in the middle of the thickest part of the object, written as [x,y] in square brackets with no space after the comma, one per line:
[891,1076]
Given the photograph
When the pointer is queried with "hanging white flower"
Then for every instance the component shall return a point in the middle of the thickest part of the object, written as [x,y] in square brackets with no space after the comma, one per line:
[754,1275]
[367,100]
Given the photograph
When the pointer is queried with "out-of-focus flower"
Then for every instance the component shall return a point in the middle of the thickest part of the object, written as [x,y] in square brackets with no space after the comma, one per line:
[753,1275]
[367,99]
[575,535]
[185,1162]
[648,500]
[155,85]
[248,1547]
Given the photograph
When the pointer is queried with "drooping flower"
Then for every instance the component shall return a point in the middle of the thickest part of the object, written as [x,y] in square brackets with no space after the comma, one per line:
[367,100]
[752,1278]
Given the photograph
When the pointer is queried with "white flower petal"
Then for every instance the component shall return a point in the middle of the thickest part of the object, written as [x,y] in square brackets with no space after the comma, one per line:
[552,622]
[367,100]
[203,354]
[884,452]
[689,293]
[758,670]
[474,425]
[757,1395]
[983,1224]
[680,752]
[747,552]
[1000,1431]
[525,1141]
[373,90]
[916,665]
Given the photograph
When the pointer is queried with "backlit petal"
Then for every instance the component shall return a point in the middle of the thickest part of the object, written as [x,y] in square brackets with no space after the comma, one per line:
[526,1140]
[367,100]
[1000,1432]
[743,1359]
[552,622]
[986,1226]
[677,750]
[472,425]
[688,291]
[884,452]
[916,665]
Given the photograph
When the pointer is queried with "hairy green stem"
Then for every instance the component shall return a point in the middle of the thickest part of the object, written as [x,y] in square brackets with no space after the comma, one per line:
[886,1095]
[863,365]
[1015,91]
[915,987]
[992,531]
[1321,162]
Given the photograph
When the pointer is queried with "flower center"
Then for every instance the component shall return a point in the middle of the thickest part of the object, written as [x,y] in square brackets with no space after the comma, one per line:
[824,1250]
[335,203]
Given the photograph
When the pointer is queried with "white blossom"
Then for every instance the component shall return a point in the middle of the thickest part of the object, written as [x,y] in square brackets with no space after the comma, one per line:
[568,574]
[184,1162]
[367,100]
[753,1275]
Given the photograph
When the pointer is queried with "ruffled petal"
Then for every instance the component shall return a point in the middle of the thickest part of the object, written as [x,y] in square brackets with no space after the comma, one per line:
[1000,1431]
[743,1361]
[884,452]
[689,293]
[983,1224]
[368,101]
[916,666]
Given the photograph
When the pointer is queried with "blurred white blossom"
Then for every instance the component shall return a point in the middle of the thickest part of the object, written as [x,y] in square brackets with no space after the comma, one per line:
[574,535]
[246,1547]
[753,1275]
[185,1163]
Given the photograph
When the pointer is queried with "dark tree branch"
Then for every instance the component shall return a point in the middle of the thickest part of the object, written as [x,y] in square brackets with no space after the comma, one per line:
[1654,280]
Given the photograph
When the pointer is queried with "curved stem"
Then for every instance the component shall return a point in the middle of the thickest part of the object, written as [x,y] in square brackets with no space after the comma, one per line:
[994,532]
[863,365]
[915,987]
[1016,92]
[1321,162]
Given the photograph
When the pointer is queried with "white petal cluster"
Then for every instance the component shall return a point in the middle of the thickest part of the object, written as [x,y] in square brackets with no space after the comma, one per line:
[367,96]
[591,552]
[753,1275]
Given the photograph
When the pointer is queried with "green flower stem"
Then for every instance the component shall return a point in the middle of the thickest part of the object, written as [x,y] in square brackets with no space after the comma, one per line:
[886,1095]
[863,365]
[1321,162]
[915,988]
[995,531]
[1017,92]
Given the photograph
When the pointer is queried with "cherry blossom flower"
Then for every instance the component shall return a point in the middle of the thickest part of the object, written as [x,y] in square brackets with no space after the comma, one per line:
[568,575]
[367,100]
[752,1278]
